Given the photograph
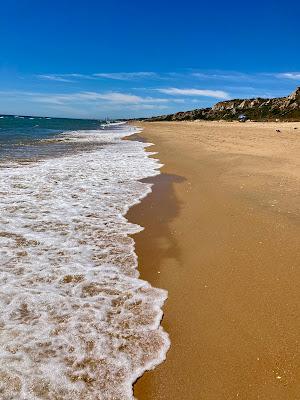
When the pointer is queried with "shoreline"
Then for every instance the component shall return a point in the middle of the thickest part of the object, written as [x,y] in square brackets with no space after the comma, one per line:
[227,257]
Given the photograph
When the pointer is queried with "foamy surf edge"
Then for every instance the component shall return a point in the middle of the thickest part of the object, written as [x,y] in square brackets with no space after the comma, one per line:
[76,321]
[163,354]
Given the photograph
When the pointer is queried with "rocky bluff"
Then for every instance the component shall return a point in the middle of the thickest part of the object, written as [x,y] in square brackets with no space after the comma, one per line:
[257,109]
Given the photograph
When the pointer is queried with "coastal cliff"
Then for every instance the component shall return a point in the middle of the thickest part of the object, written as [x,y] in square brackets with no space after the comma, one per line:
[257,109]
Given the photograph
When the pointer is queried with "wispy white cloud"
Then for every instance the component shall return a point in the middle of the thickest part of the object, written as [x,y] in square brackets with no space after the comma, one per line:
[236,77]
[56,78]
[87,97]
[118,76]
[222,75]
[149,107]
[289,75]
[84,104]
[126,76]
[118,97]
[217,94]
[71,77]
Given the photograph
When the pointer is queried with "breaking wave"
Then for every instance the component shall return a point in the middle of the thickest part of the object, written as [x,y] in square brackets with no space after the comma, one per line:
[76,321]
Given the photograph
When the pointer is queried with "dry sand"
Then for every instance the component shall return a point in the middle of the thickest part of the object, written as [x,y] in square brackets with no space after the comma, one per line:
[222,235]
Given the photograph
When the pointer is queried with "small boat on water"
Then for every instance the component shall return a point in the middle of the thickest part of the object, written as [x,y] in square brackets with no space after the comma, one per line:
[109,124]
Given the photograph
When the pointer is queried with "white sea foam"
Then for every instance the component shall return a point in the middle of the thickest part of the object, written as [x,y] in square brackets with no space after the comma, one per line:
[76,322]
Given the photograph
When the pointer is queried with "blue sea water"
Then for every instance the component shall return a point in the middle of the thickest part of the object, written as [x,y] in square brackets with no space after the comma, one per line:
[30,137]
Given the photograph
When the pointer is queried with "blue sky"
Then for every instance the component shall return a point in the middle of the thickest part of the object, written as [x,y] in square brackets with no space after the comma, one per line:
[138,58]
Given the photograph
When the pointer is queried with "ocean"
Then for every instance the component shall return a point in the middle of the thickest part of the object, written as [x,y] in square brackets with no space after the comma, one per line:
[76,321]
[24,138]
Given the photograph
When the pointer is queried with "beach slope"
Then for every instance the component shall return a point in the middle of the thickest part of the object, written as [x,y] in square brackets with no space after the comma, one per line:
[222,235]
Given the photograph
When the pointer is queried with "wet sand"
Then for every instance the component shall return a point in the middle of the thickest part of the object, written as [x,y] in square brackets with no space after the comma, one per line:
[222,235]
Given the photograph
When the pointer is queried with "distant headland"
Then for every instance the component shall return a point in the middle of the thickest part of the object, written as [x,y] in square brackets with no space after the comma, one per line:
[256,109]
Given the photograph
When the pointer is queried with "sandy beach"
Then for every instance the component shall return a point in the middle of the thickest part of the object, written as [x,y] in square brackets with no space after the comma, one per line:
[222,235]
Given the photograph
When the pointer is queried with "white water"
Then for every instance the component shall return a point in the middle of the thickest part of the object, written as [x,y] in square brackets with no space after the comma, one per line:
[75,321]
